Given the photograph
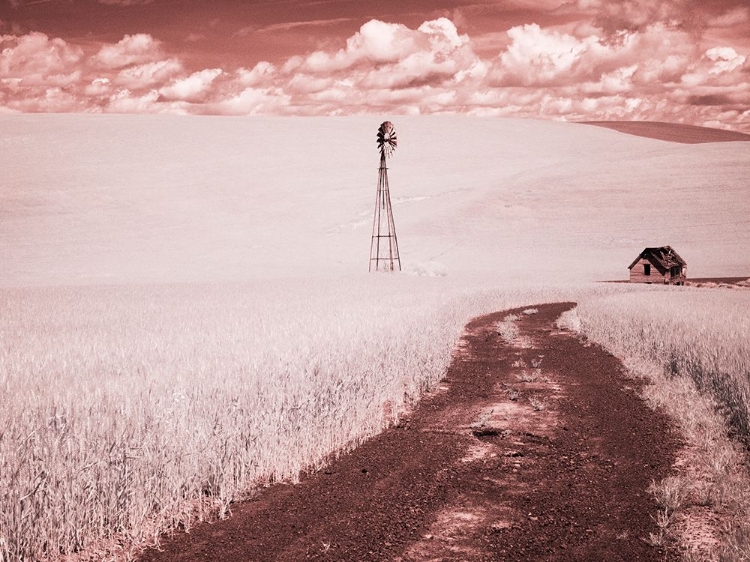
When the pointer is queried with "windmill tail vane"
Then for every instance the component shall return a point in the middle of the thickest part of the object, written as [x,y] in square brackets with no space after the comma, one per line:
[384,244]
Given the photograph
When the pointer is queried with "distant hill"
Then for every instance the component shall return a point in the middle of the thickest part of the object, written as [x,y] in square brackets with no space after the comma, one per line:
[118,199]
[673,132]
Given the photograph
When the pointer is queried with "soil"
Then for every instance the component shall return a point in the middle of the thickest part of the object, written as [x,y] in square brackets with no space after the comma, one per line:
[672,132]
[724,280]
[700,281]
[537,449]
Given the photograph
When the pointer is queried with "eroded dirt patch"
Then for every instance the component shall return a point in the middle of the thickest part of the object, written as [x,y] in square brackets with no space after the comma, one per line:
[536,448]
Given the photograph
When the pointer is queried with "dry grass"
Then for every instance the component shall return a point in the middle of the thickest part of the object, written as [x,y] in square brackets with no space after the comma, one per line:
[694,346]
[532,376]
[700,334]
[536,403]
[507,328]
[128,411]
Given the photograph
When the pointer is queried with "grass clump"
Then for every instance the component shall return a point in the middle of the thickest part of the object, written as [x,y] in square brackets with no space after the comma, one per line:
[508,329]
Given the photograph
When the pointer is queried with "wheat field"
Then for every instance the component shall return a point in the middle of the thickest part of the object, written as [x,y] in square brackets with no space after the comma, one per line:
[702,334]
[130,410]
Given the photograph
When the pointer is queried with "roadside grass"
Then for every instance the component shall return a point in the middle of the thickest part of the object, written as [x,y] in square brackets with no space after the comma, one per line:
[712,473]
[701,334]
[694,346]
[507,328]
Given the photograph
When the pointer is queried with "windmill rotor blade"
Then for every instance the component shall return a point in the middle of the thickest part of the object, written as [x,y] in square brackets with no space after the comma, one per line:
[387,138]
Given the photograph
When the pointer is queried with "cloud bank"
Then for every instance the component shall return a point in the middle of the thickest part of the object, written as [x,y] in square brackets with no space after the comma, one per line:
[637,59]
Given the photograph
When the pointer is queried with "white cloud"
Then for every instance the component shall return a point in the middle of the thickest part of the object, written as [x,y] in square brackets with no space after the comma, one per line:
[443,35]
[35,56]
[618,81]
[307,84]
[98,87]
[148,75]
[725,59]
[383,56]
[192,88]
[538,56]
[131,49]
[543,57]
[719,66]
[376,42]
[260,73]
[253,101]
[654,71]
[126,101]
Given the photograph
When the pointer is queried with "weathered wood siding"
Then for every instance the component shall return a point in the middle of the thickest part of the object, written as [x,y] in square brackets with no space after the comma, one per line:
[637,275]
[680,277]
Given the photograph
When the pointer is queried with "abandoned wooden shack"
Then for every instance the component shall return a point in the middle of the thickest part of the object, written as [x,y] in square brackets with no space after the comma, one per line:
[659,265]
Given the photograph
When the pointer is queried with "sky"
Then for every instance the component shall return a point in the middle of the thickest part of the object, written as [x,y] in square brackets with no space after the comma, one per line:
[683,61]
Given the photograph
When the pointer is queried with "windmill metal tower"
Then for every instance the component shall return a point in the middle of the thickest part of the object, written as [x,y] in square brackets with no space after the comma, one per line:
[384,245]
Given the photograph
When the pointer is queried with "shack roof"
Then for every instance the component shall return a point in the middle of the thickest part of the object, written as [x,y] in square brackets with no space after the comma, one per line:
[664,257]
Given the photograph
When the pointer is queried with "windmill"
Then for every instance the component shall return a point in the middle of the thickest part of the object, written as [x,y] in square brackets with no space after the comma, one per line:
[384,245]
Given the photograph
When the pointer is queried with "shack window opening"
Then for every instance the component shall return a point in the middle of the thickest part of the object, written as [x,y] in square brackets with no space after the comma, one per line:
[646,269]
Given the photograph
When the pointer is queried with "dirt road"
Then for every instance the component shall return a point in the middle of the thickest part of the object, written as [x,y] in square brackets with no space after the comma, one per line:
[538,449]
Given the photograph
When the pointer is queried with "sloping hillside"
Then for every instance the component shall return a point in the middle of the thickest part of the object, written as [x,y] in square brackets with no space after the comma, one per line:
[103,199]
[672,132]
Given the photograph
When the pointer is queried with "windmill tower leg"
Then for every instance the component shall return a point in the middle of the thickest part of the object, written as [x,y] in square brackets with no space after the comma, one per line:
[384,244]
[393,257]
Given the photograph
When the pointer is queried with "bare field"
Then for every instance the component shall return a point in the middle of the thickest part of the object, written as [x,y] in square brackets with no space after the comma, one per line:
[672,132]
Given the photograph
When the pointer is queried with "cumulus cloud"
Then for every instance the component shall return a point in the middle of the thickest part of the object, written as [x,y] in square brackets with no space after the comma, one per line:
[139,48]
[376,42]
[625,67]
[38,73]
[261,72]
[392,63]
[125,101]
[193,88]
[537,56]
[725,59]
[719,66]
[147,75]
[30,58]
[253,101]
[542,57]
[654,71]
[35,72]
